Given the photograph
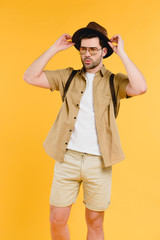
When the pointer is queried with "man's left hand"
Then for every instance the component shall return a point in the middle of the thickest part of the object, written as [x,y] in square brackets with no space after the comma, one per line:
[119,48]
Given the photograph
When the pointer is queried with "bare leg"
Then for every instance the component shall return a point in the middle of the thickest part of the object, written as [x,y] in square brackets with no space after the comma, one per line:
[94,222]
[58,222]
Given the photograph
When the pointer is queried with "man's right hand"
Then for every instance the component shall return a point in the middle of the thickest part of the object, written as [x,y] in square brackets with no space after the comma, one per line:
[34,74]
[62,42]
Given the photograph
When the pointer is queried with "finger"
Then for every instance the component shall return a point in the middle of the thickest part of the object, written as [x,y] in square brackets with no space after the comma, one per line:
[115,37]
[114,47]
[111,38]
[111,45]
[114,41]
[69,43]
[66,36]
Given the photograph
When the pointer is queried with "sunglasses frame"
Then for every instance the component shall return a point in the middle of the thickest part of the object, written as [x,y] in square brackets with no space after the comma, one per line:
[89,49]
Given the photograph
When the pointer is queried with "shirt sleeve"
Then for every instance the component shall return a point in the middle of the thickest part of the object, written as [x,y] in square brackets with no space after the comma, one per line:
[120,82]
[57,78]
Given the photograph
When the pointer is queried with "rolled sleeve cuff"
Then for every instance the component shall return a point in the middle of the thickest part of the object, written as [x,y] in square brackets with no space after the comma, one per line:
[50,80]
[123,93]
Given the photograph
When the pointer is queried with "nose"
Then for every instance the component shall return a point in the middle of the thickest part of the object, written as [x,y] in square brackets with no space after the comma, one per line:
[87,53]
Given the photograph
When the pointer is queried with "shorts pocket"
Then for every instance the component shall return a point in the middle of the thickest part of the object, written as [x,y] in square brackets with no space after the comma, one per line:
[70,154]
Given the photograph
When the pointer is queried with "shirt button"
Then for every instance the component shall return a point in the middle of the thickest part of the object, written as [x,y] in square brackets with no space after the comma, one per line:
[82,92]
[74,117]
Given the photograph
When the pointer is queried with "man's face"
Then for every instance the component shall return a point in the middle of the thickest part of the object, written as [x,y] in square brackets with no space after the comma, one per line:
[93,60]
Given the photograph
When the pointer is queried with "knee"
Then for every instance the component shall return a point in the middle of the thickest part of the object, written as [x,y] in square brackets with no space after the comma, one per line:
[96,224]
[58,218]
[95,220]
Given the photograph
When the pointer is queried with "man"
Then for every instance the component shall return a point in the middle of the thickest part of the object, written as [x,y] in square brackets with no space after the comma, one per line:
[84,139]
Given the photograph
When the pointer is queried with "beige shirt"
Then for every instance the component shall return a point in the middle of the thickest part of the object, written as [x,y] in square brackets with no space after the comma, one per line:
[59,135]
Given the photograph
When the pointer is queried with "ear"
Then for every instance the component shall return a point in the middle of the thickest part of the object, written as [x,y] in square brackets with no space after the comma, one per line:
[104,51]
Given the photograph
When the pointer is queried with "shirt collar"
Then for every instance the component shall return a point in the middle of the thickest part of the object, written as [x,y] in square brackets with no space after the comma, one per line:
[102,71]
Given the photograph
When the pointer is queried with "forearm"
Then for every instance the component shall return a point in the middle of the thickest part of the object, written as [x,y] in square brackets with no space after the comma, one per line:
[136,78]
[36,68]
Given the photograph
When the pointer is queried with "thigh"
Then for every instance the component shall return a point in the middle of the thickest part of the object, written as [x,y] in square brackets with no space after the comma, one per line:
[65,184]
[97,185]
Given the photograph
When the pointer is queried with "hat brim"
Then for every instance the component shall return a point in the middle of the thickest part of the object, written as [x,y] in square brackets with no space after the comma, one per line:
[79,32]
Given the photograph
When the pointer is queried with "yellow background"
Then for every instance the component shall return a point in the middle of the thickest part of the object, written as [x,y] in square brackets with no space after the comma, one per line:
[29,28]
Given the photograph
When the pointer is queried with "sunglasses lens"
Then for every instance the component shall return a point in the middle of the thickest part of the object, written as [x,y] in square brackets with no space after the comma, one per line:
[93,51]
[82,50]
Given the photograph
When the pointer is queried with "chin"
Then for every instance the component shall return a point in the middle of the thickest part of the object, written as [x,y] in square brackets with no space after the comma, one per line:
[87,66]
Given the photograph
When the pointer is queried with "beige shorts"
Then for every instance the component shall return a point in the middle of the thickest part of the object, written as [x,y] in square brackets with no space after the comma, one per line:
[81,167]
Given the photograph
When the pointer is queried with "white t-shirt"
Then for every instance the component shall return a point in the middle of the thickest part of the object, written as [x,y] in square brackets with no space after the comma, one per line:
[84,135]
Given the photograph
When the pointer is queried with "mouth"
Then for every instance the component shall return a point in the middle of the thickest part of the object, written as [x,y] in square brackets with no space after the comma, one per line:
[87,61]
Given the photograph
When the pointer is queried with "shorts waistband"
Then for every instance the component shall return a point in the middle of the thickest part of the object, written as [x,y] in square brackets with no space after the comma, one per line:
[81,153]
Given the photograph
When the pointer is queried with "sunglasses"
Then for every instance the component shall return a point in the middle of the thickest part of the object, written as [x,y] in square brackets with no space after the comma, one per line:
[92,50]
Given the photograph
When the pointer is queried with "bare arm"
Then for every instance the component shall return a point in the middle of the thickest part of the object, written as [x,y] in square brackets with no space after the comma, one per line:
[34,74]
[137,84]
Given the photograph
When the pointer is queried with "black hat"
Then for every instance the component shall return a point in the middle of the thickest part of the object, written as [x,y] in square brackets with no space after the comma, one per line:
[96,28]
